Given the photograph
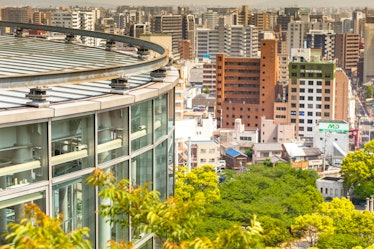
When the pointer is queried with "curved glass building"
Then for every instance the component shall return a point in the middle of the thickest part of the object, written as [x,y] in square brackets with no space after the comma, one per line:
[67,109]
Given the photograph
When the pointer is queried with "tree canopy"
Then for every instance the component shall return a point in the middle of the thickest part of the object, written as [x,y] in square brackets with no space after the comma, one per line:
[276,195]
[358,171]
[38,230]
[343,226]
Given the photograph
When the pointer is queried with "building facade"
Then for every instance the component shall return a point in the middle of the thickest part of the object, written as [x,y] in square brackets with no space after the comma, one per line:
[314,94]
[347,50]
[245,87]
[369,49]
[52,138]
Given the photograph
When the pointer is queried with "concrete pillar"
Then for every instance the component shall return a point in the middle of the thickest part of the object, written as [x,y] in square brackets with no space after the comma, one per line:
[63,207]
[371,204]
[23,154]
[104,227]
[3,225]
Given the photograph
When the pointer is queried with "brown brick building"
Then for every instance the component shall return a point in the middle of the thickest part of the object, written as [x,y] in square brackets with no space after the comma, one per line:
[347,50]
[246,87]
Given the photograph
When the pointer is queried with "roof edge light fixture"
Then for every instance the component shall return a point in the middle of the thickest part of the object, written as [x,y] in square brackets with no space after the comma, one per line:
[107,72]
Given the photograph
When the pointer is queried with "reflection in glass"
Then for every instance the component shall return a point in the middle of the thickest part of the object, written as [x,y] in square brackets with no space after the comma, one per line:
[13,210]
[141,169]
[171,164]
[160,116]
[141,125]
[171,116]
[147,245]
[23,155]
[72,145]
[75,200]
[161,170]
[109,231]
[112,134]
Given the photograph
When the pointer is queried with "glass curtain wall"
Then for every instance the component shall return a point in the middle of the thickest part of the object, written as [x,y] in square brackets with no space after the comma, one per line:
[171,110]
[75,200]
[113,133]
[72,145]
[171,165]
[161,170]
[161,116]
[13,209]
[23,155]
[109,231]
[141,125]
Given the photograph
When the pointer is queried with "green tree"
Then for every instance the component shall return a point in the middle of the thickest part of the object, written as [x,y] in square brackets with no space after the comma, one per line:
[201,181]
[312,226]
[206,90]
[174,221]
[249,152]
[352,228]
[358,168]
[276,195]
[38,230]
[369,91]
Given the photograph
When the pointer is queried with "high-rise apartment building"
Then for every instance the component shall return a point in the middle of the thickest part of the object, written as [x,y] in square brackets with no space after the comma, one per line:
[188,25]
[207,43]
[369,49]
[296,35]
[246,87]
[210,19]
[315,92]
[358,17]
[181,27]
[169,24]
[347,50]
[243,16]
[241,41]
[323,39]
[261,20]
[76,19]
[15,14]
[209,77]
[234,40]
[185,49]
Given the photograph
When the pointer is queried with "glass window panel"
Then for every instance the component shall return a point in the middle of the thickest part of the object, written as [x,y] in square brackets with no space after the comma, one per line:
[141,169]
[147,245]
[161,169]
[160,116]
[108,231]
[75,200]
[112,134]
[141,125]
[13,210]
[171,165]
[72,144]
[171,110]
[23,155]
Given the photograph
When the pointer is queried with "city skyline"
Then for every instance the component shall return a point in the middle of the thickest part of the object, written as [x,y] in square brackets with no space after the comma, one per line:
[208,3]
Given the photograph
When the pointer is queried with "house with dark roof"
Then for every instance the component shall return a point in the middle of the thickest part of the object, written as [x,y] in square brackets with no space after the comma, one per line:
[235,159]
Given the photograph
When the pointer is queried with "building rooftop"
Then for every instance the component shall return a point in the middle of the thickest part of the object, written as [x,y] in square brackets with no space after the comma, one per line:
[234,153]
[68,71]
[267,147]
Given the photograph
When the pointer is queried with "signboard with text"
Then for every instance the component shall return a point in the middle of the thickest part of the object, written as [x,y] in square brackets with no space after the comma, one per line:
[333,127]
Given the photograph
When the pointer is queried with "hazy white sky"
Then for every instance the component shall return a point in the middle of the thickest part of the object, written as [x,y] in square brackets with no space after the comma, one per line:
[208,3]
